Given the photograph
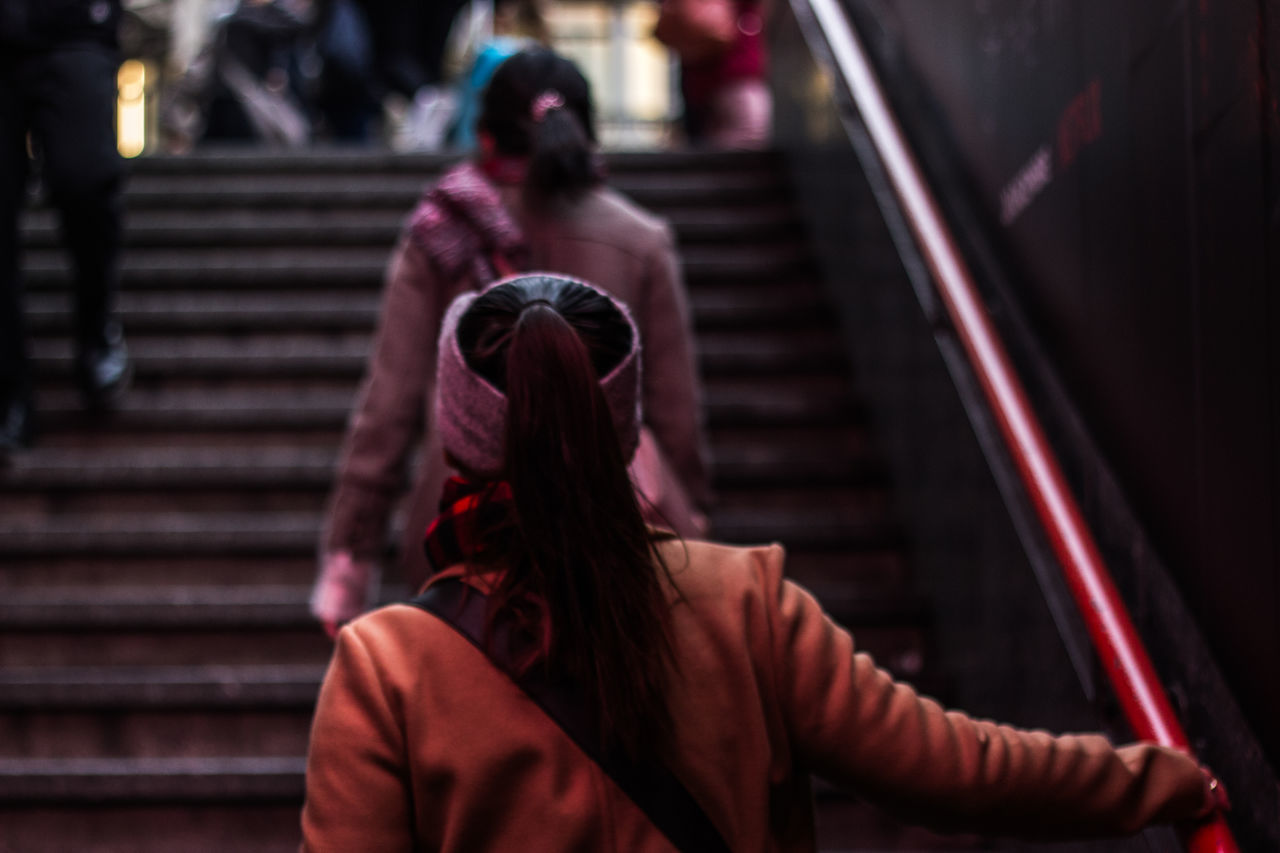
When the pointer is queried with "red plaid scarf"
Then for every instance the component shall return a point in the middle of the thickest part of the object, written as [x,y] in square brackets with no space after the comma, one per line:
[476,526]
[474,518]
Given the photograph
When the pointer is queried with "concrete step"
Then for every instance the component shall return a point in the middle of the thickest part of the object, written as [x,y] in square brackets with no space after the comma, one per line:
[116,688]
[232,159]
[175,535]
[101,572]
[360,266]
[223,356]
[57,608]
[782,402]
[211,825]
[309,227]
[159,780]
[720,352]
[142,728]
[41,574]
[292,533]
[143,493]
[178,646]
[814,528]
[180,311]
[747,402]
[751,460]
[284,608]
[730,306]
[193,269]
[654,190]
[170,468]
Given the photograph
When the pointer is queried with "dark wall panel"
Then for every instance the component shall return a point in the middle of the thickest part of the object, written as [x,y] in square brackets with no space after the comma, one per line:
[1143,362]
[996,650]
[1237,431]
[1123,157]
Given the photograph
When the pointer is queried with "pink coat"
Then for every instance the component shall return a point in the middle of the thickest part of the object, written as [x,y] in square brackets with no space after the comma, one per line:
[418,743]
[602,238]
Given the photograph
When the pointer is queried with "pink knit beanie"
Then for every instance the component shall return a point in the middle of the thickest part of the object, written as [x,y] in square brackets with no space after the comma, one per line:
[471,413]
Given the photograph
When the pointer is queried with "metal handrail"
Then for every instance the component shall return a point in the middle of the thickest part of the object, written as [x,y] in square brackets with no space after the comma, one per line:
[1123,655]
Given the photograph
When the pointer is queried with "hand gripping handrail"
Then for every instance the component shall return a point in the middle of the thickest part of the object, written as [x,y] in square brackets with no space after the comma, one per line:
[1121,651]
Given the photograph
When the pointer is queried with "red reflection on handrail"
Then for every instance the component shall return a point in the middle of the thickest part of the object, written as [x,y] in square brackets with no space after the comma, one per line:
[1121,651]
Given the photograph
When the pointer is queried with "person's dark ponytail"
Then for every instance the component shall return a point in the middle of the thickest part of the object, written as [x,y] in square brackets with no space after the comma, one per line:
[581,547]
[561,162]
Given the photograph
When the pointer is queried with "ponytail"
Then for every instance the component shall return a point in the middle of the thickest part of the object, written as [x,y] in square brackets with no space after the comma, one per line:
[561,162]
[581,548]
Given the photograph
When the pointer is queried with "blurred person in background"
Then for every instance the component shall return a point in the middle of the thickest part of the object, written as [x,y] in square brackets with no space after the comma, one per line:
[347,93]
[534,197]
[382,75]
[244,85]
[408,40]
[724,63]
[515,25]
[58,63]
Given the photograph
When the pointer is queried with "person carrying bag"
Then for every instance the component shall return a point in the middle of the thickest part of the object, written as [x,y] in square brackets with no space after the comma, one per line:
[533,197]
[560,631]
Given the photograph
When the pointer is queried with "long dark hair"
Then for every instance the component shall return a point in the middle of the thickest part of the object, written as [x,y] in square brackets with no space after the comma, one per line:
[579,550]
[560,144]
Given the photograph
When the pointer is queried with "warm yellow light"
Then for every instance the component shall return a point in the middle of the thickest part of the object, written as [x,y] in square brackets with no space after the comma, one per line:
[131,108]
[648,83]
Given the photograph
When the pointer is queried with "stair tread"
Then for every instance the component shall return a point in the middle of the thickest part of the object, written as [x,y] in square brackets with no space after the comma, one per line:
[339,187]
[51,607]
[354,266]
[322,226]
[153,765]
[736,305]
[317,352]
[58,608]
[243,686]
[223,159]
[782,402]
[735,465]
[100,780]
[232,532]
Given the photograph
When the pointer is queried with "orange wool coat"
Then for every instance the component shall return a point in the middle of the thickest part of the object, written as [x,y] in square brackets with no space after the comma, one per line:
[419,743]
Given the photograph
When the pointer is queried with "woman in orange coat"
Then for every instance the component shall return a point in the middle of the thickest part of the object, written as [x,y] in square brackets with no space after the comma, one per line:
[688,660]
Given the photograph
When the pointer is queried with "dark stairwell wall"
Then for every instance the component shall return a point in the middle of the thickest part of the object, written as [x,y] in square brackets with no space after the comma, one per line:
[1111,172]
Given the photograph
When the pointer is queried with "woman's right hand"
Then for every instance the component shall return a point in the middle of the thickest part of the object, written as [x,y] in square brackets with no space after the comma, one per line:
[341,591]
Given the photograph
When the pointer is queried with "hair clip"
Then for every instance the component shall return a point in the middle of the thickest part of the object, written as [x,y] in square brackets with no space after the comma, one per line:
[545,102]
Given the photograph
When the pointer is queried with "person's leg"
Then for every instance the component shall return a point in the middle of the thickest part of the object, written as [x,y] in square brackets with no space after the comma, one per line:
[433,36]
[83,174]
[15,381]
[741,115]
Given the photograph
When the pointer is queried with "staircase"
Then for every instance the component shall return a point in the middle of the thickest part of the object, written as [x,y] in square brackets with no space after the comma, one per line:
[157,663]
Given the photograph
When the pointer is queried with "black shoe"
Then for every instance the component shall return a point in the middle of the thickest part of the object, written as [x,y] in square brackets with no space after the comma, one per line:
[17,426]
[104,371]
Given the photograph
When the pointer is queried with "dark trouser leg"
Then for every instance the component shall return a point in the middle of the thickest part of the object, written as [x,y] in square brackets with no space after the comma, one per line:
[14,378]
[83,174]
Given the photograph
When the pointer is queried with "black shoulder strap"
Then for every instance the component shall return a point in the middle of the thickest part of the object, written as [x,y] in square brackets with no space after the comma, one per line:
[652,787]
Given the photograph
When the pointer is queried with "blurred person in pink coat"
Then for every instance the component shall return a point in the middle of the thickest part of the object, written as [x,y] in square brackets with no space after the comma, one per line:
[533,199]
